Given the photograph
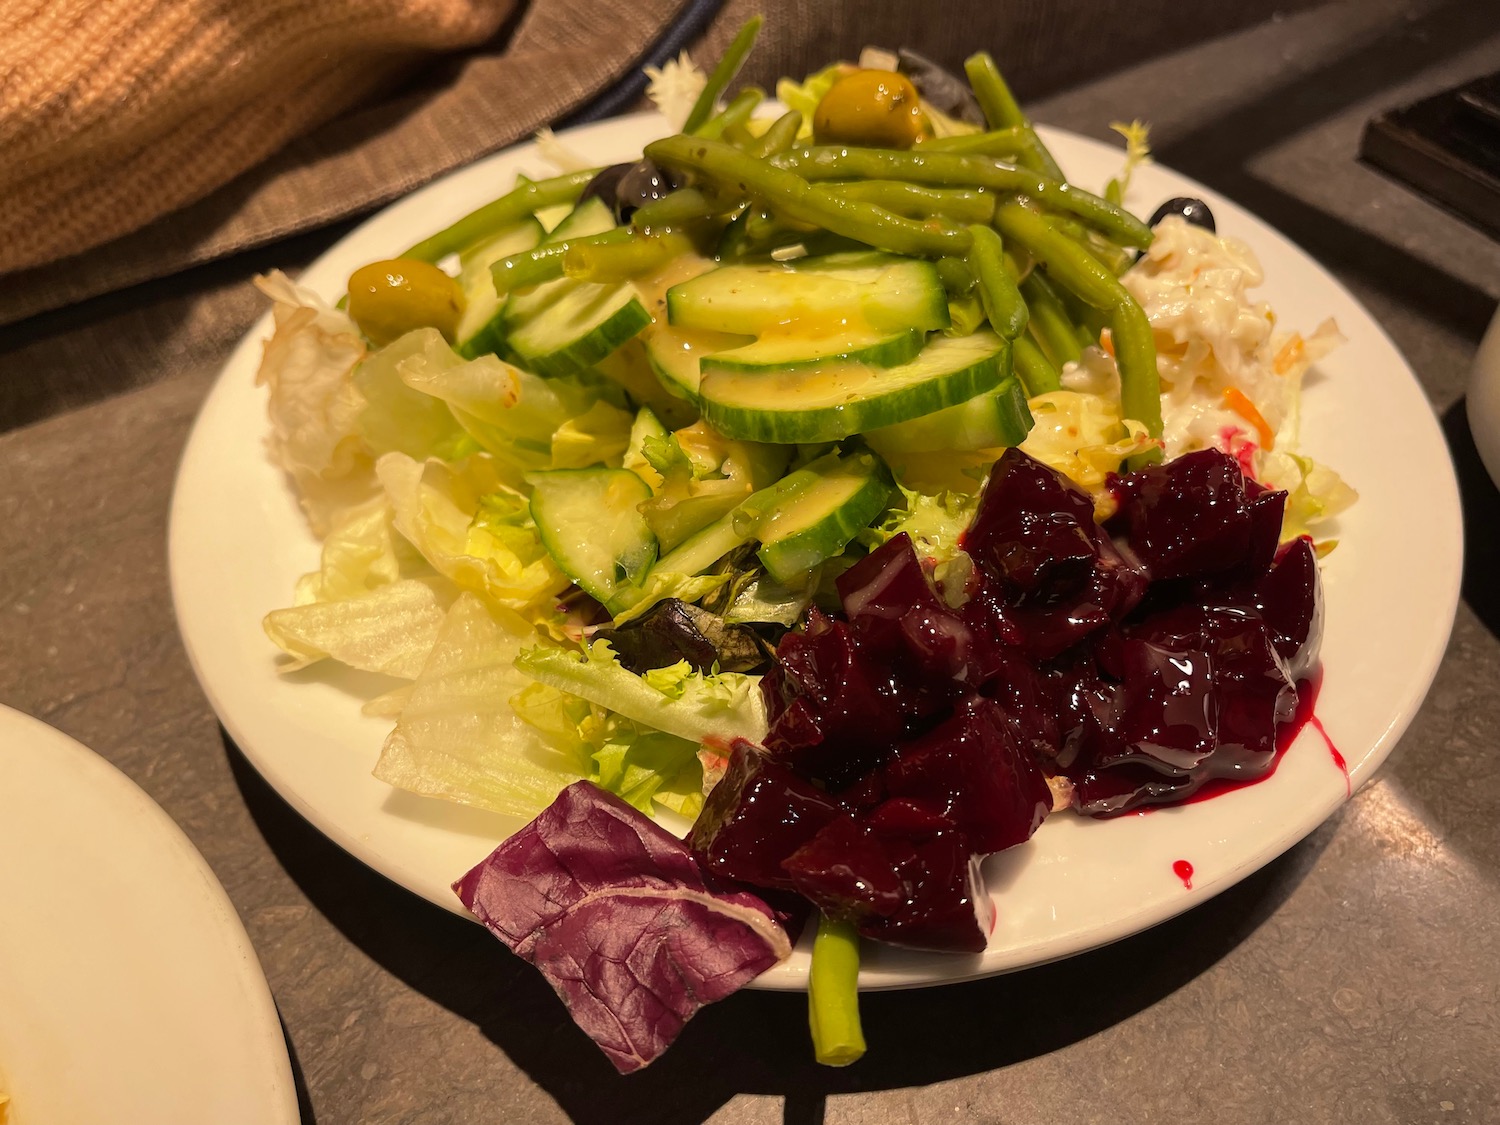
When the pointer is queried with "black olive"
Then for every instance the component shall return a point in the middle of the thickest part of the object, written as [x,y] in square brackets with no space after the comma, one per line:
[945,91]
[626,187]
[1195,211]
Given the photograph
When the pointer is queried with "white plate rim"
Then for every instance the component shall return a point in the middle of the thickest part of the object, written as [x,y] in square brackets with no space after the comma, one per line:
[260,1047]
[888,968]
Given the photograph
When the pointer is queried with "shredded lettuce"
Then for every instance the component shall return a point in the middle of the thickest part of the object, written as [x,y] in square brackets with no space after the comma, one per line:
[396,417]
[1082,436]
[388,630]
[639,764]
[934,521]
[458,737]
[700,707]
[596,437]
[471,523]
[511,413]
[702,475]
[1315,493]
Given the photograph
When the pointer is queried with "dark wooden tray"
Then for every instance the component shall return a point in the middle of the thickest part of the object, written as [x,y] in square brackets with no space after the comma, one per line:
[1447,147]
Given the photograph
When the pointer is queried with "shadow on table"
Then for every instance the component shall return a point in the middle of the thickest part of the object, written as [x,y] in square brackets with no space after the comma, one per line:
[755,1042]
[1481,508]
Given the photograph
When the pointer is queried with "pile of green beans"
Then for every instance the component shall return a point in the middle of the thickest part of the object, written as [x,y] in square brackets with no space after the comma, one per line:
[1007,232]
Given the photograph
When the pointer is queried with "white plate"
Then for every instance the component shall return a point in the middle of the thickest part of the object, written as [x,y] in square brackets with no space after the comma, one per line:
[238,542]
[128,989]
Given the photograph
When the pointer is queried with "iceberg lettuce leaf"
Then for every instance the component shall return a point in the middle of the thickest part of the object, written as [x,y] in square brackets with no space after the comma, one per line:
[390,629]
[458,738]
[701,708]
[471,523]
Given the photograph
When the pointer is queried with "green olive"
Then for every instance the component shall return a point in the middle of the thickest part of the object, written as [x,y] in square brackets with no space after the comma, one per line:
[389,299]
[870,107]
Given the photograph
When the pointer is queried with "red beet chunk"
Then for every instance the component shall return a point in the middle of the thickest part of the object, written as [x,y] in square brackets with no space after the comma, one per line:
[757,816]
[920,891]
[1034,531]
[834,713]
[1188,517]
[973,769]
[901,622]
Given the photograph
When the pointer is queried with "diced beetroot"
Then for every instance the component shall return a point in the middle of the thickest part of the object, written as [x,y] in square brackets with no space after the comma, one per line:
[1188,517]
[1034,531]
[850,872]
[834,714]
[947,908]
[973,770]
[755,817]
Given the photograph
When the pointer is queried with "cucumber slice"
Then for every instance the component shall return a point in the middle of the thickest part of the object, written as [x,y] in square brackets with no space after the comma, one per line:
[788,352]
[481,329]
[821,296]
[589,521]
[565,325]
[833,401]
[996,419]
[675,354]
[819,521]
[577,329]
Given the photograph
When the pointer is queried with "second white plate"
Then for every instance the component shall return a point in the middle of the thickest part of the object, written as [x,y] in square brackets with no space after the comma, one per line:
[128,989]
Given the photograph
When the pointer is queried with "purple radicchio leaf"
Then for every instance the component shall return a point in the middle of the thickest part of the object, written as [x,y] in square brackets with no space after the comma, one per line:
[617,916]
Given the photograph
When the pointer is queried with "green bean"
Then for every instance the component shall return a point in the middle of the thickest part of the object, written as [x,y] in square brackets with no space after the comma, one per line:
[1050,322]
[961,205]
[1116,257]
[1015,141]
[494,216]
[545,263]
[767,227]
[1088,322]
[685,205]
[838,162]
[739,136]
[794,198]
[723,74]
[623,259]
[833,994]
[735,113]
[957,278]
[1002,111]
[1073,267]
[997,289]
[1033,366]
[781,136]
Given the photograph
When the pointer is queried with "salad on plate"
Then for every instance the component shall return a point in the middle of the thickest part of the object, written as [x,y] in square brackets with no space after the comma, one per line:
[787,520]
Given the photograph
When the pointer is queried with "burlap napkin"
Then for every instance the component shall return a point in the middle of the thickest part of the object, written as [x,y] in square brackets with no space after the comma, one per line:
[117,111]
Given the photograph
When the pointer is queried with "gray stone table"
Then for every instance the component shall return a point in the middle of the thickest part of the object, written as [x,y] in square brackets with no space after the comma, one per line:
[1355,979]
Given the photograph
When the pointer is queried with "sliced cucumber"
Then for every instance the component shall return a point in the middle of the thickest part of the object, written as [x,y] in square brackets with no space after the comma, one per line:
[814,296]
[835,400]
[589,521]
[578,329]
[565,326]
[994,420]
[481,329]
[819,521]
[790,352]
[675,355]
